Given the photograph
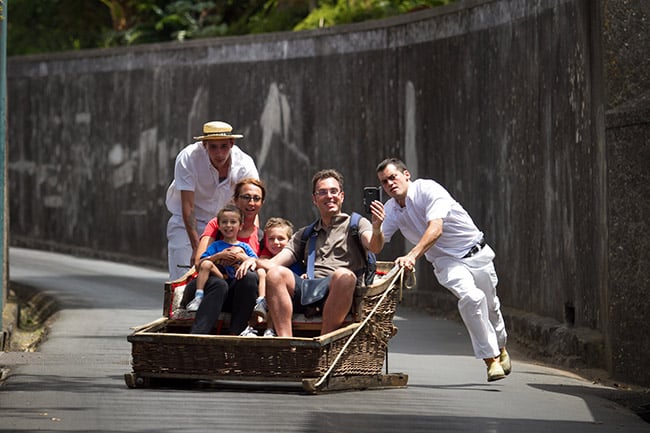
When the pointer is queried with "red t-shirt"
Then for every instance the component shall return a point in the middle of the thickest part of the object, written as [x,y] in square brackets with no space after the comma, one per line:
[212,230]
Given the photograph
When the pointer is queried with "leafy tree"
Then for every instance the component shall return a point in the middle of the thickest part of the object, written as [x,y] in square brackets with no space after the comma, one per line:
[36,26]
[333,12]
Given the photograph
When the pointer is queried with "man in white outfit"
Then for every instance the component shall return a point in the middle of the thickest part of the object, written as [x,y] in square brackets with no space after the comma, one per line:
[442,231]
[205,175]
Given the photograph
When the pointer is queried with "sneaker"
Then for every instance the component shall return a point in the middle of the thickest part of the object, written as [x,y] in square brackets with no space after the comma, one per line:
[194,304]
[261,309]
[249,332]
[495,371]
[504,359]
[270,333]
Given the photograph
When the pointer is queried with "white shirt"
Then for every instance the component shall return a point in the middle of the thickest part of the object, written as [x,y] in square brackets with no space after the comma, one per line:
[194,172]
[427,200]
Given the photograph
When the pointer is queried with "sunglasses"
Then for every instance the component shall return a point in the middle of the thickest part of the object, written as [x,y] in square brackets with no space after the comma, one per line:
[253,198]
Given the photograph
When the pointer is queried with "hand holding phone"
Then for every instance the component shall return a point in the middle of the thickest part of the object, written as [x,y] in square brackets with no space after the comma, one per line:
[370,194]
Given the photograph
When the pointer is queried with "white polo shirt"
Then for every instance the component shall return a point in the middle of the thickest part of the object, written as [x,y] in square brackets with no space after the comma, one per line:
[427,200]
[194,172]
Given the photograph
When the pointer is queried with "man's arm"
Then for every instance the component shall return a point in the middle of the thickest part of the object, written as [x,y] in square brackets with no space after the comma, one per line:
[430,236]
[283,258]
[373,240]
[189,219]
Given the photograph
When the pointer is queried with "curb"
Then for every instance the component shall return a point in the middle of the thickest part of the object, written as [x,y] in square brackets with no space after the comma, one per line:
[35,307]
[547,338]
[543,338]
[28,309]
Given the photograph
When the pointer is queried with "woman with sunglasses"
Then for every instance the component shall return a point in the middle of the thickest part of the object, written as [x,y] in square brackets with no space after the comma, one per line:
[249,197]
[237,296]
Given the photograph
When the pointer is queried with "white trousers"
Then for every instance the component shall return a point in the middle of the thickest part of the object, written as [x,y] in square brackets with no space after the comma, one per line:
[474,282]
[179,248]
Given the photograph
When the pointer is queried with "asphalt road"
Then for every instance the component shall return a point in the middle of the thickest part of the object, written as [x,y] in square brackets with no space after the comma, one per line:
[75,382]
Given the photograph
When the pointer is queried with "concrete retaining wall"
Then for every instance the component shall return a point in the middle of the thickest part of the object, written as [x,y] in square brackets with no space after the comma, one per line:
[501,101]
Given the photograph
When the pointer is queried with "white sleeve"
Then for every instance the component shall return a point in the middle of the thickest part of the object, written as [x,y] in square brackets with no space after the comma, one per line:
[184,172]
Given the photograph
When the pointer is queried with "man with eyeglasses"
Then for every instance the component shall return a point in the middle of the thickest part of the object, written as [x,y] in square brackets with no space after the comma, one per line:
[205,174]
[338,261]
[441,230]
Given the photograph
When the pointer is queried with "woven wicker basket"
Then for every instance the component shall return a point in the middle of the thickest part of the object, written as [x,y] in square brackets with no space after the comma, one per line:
[159,350]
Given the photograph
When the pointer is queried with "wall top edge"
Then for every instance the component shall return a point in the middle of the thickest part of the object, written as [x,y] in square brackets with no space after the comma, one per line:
[461,17]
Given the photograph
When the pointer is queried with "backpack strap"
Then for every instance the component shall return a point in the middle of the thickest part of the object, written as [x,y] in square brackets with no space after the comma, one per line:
[310,234]
[371,260]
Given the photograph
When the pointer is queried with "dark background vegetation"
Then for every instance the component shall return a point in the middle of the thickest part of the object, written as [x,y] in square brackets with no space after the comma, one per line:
[41,26]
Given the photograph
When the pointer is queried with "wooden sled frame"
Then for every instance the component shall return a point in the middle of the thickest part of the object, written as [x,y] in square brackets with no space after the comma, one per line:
[351,357]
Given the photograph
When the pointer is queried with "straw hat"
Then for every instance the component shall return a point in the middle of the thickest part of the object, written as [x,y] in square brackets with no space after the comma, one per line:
[217,130]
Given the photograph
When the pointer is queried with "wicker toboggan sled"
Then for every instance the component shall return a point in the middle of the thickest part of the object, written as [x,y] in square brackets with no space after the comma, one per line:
[348,358]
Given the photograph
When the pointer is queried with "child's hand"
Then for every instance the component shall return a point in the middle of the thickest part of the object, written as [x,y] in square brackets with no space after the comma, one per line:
[230,256]
[248,264]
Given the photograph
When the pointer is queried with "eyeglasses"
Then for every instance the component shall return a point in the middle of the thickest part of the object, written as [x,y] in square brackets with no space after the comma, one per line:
[324,192]
[253,198]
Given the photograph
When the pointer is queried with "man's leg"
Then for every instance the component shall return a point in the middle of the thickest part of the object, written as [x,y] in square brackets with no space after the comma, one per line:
[482,267]
[280,286]
[179,249]
[339,299]
[208,313]
[472,305]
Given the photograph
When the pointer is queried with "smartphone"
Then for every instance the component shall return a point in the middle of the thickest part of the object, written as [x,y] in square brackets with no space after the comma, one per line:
[370,193]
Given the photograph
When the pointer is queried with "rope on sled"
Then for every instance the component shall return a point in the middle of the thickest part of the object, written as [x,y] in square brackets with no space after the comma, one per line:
[399,274]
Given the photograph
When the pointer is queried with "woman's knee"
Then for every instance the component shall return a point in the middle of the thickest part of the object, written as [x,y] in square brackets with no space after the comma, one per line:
[249,279]
[215,284]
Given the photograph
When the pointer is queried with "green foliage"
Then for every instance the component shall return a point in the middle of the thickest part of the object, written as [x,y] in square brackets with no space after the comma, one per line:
[36,26]
[184,19]
[331,13]
[278,16]
[158,23]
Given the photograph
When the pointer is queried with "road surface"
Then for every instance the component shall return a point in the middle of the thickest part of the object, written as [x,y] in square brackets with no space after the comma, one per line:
[75,382]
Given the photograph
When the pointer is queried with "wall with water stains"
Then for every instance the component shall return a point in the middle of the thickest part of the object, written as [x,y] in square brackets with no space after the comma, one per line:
[501,101]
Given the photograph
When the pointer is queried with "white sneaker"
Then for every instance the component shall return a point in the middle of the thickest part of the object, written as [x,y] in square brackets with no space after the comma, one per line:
[249,332]
[194,305]
[261,309]
[270,333]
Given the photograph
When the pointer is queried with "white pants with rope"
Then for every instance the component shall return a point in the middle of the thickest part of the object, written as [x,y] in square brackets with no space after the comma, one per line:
[473,281]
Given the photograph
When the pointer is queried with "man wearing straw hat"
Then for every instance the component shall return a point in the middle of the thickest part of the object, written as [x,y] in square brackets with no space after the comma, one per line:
[205,175]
